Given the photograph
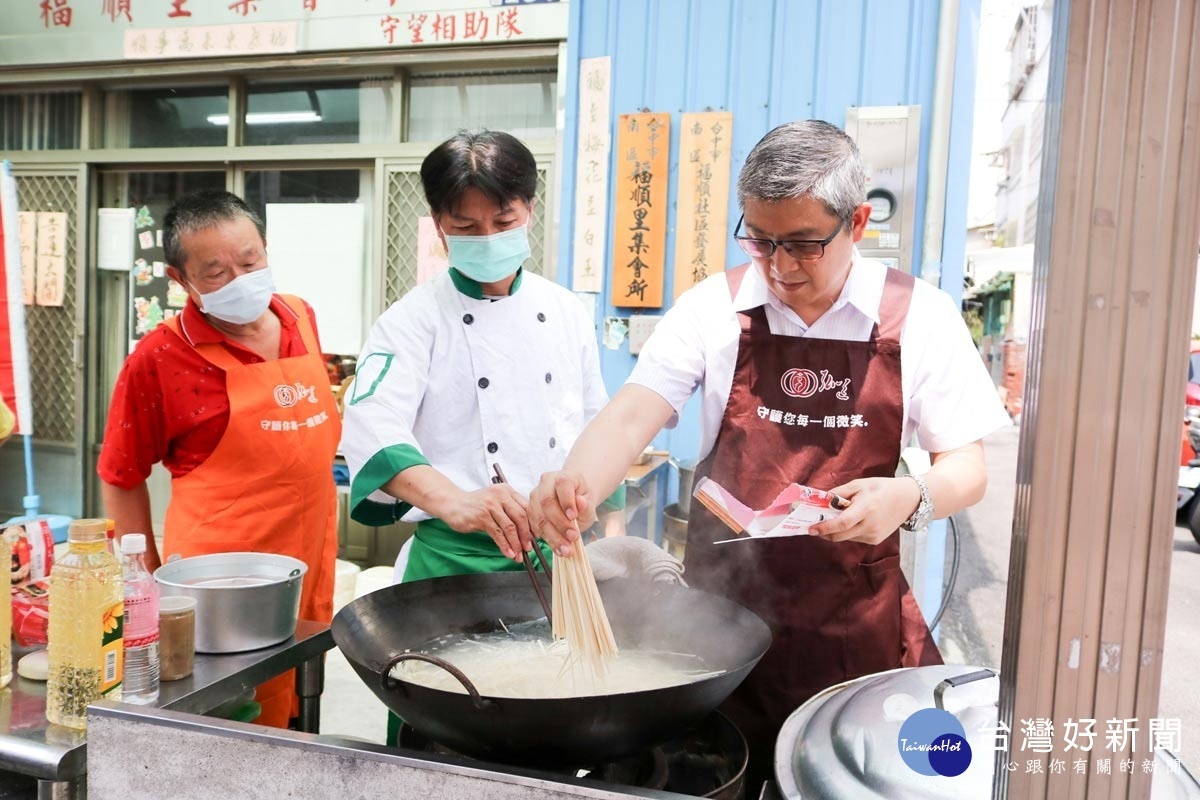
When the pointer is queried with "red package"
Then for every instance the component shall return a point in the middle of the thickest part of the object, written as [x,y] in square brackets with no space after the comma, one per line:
[30,612]
[32,548]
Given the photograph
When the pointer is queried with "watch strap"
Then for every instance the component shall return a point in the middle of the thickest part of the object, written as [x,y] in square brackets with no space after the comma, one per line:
[924,511]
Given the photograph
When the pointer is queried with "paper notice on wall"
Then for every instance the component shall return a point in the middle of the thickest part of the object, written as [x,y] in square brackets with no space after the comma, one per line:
[431,253]
[27,224]
[791,513]
[591,175]
[115,234]
[51,257]
[316,252]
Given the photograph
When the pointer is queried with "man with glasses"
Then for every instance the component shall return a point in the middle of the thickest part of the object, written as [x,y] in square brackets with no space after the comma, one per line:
[815,366]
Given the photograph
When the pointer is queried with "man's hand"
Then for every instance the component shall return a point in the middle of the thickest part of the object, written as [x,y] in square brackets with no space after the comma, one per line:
[877,508]
[558,506]
[499,511]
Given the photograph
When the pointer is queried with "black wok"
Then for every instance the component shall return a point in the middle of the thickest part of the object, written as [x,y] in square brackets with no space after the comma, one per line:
[564,732]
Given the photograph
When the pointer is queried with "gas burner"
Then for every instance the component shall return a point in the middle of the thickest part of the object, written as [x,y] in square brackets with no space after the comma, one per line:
[709,760]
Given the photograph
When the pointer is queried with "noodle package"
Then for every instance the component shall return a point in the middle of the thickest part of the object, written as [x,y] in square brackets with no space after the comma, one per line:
[791,513]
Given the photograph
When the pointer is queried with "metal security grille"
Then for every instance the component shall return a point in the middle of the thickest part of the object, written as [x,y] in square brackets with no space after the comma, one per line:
[405,202]
[51,330]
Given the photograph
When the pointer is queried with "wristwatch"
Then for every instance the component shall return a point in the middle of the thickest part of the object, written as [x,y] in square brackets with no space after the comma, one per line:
[924,513]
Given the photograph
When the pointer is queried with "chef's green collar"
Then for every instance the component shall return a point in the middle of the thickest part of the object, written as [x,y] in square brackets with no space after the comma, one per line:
[474,289]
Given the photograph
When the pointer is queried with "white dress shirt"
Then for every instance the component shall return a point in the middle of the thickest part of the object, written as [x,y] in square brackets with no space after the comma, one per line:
[949,398]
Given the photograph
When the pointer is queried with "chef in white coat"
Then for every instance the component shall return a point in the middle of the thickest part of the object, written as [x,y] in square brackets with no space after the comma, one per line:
[484,364]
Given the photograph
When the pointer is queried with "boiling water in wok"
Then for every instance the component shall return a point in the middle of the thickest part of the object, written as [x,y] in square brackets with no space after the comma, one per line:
[522,661]
[376,630]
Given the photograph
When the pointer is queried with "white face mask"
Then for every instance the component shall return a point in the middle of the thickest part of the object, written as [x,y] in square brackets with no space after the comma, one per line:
[242,300]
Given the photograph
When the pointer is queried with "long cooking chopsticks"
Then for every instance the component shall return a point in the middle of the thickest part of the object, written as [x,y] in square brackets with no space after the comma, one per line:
[537,587]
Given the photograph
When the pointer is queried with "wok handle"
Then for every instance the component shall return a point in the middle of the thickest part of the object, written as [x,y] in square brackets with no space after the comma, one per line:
[389,683]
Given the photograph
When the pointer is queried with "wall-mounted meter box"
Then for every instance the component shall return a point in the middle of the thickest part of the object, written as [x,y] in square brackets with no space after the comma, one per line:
[889,139]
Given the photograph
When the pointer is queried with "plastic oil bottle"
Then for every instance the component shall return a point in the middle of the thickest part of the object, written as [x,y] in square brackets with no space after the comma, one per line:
[87,610]
[140,684]
[5,619]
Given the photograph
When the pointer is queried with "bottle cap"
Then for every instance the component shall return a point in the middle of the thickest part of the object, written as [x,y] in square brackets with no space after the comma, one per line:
[133,543]
[87,530]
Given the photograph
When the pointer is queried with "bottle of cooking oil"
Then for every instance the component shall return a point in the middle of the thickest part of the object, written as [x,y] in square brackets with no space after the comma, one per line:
[87,610]
[5,618]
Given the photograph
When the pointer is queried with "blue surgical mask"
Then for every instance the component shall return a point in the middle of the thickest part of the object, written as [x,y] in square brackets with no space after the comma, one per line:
[488,259]
[243,299]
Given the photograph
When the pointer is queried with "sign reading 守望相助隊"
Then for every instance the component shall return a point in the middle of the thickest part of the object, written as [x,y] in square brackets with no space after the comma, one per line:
[63,31]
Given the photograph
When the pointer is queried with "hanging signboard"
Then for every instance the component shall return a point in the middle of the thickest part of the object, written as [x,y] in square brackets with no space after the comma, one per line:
[640,221]
[591,174]
[64,31]
[705,150]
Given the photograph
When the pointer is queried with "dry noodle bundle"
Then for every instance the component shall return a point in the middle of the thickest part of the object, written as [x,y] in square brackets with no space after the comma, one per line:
[579,614]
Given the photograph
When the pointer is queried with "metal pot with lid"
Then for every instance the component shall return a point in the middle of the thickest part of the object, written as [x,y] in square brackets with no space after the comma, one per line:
[844,742]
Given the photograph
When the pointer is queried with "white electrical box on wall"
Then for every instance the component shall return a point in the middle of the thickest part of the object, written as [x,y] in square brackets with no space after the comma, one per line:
[888,138]
[640,328]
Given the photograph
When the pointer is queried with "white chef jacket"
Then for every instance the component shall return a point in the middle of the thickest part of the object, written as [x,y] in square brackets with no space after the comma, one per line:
[458,381]
[949,398]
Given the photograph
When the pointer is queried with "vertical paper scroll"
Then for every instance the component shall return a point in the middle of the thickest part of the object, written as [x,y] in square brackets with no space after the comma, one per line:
[591,174]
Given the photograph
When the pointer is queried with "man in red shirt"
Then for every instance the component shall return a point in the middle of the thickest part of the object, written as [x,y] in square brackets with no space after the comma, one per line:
[233,398]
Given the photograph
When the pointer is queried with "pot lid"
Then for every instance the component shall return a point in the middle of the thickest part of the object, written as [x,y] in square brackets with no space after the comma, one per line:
[845,741]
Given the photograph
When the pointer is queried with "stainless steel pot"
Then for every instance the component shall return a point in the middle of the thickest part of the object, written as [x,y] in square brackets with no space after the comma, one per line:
[244,601]
[687,473]
[843,743]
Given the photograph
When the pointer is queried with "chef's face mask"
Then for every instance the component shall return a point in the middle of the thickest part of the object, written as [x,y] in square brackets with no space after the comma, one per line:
[243,299]
[488,259]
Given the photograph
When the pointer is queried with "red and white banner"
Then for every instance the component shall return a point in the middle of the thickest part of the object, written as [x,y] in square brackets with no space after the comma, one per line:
[14,352]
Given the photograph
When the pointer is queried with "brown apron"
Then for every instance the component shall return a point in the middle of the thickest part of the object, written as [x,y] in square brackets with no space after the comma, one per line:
[836,610]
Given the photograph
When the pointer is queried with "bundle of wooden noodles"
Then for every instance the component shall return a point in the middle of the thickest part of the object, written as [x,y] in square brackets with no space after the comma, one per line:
[579,615]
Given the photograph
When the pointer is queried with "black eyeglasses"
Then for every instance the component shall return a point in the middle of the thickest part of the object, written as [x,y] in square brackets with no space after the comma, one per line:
[799,249]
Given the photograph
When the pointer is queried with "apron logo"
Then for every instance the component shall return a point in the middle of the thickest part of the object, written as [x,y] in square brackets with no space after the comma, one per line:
[806,383]
[288,396]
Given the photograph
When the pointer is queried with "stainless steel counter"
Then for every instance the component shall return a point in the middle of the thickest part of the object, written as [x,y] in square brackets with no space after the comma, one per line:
[57,757]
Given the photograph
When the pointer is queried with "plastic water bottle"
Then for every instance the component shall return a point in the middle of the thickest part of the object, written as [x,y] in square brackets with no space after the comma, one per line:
[141,623]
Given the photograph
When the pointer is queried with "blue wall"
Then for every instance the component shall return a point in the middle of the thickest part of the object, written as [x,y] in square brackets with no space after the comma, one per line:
[767,61]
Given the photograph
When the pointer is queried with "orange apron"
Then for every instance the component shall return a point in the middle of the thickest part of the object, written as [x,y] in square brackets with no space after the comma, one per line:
[268,486]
